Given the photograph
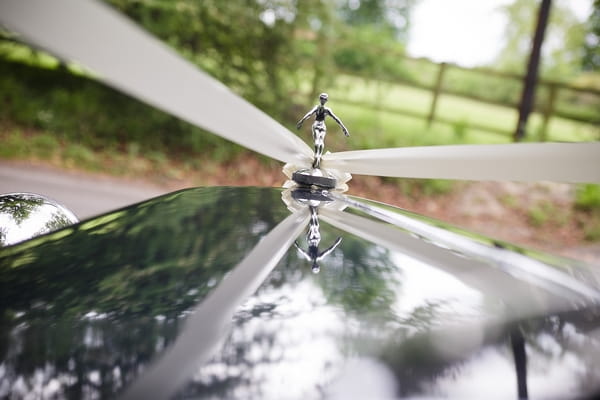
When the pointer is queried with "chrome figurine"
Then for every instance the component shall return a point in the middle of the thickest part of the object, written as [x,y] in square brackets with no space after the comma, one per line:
[313,237]
[319,130]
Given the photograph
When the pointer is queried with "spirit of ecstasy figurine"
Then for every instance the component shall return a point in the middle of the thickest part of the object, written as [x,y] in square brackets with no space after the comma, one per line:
[315,176]
[319,130]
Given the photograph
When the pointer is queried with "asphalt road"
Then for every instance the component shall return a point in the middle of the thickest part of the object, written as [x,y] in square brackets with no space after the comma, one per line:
[85,195]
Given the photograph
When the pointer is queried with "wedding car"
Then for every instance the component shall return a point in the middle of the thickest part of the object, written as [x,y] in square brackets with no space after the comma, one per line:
[284,293]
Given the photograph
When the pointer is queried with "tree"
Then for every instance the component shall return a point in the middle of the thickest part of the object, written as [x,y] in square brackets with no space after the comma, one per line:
[387,15]
[591,46]
[563,43]
[250,46]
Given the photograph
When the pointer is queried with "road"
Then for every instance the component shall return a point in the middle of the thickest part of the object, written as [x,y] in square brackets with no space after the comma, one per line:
[84,194]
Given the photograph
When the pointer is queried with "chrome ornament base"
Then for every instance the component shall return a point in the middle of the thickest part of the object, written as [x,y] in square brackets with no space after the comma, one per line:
[314,177]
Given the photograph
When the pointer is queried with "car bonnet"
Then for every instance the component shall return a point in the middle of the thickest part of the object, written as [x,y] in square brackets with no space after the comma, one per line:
[205,292]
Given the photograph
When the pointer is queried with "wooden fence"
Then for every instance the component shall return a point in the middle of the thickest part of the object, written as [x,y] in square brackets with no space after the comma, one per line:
[546,106]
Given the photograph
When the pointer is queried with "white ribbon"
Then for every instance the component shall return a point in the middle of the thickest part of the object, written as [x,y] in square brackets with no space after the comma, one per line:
[562,162]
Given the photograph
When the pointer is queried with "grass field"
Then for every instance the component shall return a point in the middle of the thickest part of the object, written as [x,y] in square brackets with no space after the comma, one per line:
[377,128]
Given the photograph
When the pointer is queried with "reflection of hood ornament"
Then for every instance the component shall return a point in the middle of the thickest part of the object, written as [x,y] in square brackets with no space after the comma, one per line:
[316,176]
[313,199]
[313,238]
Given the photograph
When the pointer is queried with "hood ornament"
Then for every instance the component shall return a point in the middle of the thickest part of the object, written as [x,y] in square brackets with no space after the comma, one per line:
[319,130]
[316,176]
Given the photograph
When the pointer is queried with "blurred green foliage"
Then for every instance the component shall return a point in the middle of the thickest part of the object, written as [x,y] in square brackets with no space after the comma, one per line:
[79,109]
[370,51]
[591,48]
[14,145]
[588,197]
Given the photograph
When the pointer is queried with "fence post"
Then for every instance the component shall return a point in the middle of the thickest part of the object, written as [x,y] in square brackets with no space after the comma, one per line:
[548,111]
[436,93]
